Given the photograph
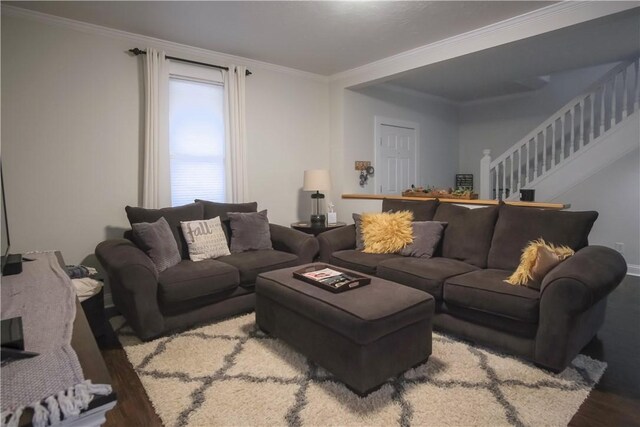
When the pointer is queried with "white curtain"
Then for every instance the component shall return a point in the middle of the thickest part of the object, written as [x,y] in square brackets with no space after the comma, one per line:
[236,159]
[155,83]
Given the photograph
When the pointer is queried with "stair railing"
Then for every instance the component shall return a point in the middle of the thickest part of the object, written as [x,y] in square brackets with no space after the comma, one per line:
[581,121]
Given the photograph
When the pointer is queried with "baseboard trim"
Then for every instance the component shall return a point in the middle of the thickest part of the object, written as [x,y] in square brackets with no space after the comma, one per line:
[633,270]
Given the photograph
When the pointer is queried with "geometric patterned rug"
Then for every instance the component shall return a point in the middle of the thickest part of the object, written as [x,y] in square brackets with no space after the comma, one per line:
[230,373]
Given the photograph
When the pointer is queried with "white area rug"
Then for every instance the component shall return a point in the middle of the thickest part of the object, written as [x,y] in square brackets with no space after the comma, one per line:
[231,374]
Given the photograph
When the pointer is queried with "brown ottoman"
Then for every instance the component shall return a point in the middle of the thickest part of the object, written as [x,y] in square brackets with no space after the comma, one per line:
[363,336]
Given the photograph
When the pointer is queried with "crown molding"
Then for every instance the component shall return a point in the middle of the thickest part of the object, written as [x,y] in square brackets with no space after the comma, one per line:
[532,23]
[172,48]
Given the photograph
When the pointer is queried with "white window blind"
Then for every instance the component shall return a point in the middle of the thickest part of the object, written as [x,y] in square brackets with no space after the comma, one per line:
[196,141]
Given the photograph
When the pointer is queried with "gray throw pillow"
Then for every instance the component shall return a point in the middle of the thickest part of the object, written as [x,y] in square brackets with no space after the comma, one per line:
[158,242]
[426,236]
[249,231]
[357,220]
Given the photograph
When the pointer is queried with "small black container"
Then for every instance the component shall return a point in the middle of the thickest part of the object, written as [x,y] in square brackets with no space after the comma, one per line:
[527,195]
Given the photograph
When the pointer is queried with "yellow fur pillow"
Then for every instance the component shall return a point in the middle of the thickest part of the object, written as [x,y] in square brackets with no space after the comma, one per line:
[387,232]
[537,259]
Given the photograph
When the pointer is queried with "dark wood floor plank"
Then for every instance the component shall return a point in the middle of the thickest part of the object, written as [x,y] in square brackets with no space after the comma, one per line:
[614,402]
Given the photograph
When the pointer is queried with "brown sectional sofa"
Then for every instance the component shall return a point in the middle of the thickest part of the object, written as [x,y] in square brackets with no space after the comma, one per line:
[479,249]
[192,292]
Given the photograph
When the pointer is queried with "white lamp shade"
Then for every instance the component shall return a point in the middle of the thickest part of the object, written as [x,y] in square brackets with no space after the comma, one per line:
[316,180]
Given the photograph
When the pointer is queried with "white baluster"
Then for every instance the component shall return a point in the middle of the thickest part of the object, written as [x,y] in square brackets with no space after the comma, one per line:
[563,138]
[497,187]
[485,175]
[572,136]
[602,113]
[625,98]
[504,179]
[592,97]
[613,100]
[527,160]
[511,175]
[519,180]
[553,144]
[544,149]
[535,171]
[636,97]
[581,124]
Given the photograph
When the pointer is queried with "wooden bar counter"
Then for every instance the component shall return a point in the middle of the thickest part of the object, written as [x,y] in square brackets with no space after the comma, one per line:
[558,206]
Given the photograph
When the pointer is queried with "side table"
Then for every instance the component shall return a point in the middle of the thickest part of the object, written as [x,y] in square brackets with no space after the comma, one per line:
[306,227]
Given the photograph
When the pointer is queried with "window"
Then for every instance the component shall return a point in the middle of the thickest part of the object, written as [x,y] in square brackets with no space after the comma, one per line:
[196,138]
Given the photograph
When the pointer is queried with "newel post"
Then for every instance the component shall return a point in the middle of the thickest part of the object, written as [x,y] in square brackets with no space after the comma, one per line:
[485,175]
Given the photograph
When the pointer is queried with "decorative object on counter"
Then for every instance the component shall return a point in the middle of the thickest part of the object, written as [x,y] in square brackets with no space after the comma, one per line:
[464,181]
[332,216]
[317,180]
[527,195]
[431,192]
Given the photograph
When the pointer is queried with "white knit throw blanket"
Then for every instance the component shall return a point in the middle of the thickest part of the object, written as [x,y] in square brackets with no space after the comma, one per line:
[52,383]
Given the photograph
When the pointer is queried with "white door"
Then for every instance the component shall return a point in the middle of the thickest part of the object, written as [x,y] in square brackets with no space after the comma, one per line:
[396,156]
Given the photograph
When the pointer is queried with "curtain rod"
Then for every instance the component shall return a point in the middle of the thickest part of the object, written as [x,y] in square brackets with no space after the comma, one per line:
[137,52]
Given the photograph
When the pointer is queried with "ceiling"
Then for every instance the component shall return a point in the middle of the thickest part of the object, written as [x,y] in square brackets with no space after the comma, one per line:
[323,37]
[517,67]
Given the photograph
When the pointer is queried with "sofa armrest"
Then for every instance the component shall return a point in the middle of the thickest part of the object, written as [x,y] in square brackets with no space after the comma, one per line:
[286,239]
[573,303]
[338,239]
[133,280]
[584,279]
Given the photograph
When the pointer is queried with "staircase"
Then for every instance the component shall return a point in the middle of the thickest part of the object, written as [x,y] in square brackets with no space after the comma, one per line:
[599,127]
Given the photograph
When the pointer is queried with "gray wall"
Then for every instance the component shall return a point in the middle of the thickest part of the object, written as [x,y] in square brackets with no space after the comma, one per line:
[72,135]
[438,121]
[613,192]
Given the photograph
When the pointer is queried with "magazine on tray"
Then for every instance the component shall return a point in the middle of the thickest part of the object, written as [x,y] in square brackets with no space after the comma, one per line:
[330,277]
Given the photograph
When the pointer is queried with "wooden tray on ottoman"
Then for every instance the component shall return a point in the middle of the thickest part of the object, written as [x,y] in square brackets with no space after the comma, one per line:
[353,280]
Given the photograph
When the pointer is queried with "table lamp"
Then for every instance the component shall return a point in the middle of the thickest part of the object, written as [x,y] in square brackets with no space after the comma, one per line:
[317,180]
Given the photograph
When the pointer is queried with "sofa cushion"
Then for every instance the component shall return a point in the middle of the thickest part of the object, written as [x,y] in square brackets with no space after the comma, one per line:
[426,238]
[249,231]
[173,216]
[422,210]
[386,232]
[188,280]
[214,209]
[485,290]
[156,240]
[205,239]
[252,263]
[517,226]
[428,275]
[359,261]
[468,234]
[357,222]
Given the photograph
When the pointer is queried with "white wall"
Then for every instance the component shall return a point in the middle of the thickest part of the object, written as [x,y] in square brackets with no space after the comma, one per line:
[437,145]
[500,123]
[613,193]
[71,140]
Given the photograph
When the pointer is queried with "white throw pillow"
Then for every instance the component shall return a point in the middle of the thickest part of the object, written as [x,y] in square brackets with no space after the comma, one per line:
[205,239]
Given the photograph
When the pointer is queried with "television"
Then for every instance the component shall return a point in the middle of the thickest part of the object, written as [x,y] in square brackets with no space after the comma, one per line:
[11,264]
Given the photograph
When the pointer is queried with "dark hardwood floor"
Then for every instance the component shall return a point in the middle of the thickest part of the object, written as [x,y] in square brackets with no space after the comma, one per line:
[615,401]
